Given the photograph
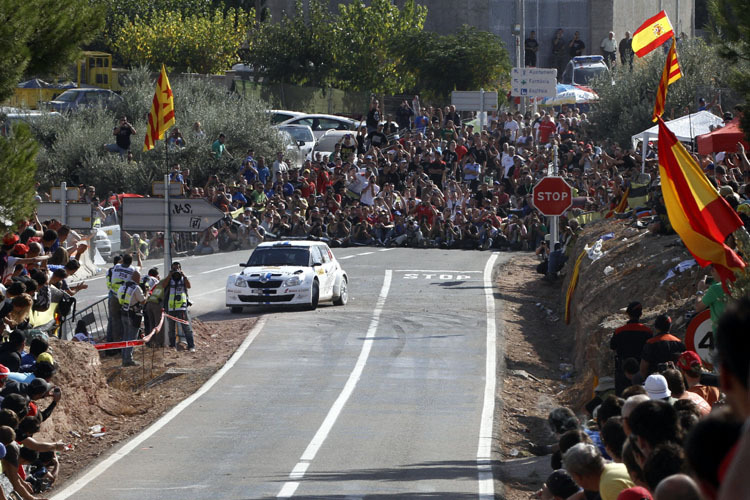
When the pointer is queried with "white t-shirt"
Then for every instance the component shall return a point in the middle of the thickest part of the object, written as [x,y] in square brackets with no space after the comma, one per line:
[368,197]
[609,45]
[511,126]
[357,184]
[507,163]
[276,168]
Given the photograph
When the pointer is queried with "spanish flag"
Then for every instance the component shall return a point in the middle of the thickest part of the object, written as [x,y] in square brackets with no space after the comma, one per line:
[701,217]
[653,33]
[161,116]
[669,75]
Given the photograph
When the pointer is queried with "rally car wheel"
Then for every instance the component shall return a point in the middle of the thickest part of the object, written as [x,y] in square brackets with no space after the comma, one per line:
[314,295]
[343,297]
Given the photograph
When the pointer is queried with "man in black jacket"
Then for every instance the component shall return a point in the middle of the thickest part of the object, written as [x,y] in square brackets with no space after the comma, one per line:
[10,352]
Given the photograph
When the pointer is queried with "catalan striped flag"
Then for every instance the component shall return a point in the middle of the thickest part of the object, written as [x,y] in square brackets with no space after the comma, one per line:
[701,217]
[652,33]
[669,75]
[161,116]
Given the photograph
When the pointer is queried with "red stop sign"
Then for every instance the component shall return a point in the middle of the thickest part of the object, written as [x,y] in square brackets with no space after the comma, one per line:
[552,196]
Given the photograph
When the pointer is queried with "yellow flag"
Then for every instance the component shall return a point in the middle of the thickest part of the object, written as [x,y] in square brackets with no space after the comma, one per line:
[161,116]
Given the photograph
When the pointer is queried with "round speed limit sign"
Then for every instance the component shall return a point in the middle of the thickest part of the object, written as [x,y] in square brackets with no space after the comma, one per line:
[699,336]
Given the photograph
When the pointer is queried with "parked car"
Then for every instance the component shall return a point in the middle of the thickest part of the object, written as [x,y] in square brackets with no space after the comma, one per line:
[303,136]
[107,233]
[321,123]
[293,152]
[288,272]
[327,141]
[282,115]
[582,69]
[73,99]
[12,116]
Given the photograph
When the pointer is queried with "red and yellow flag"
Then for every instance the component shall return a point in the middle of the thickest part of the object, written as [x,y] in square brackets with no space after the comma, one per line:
[701,217]
[669,75]
[652,33]
[161,116]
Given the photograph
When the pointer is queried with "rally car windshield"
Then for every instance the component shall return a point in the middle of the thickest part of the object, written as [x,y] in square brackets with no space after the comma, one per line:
[274,256]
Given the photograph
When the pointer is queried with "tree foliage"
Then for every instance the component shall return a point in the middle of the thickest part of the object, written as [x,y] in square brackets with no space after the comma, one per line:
[730,28]
[468,60]
[40,36]
[17,169]
[365,59]
[74,152]
[297,49]
[202,43]
[625,107]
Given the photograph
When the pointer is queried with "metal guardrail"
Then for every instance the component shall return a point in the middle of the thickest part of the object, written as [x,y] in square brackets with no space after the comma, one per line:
[94,317]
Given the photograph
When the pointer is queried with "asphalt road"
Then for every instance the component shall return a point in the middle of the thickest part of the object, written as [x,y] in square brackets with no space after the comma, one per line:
[384,398]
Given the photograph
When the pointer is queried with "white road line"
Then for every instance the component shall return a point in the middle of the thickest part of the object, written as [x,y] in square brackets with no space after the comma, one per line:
[219,269]
[298,473]
[386,249]
[156,426]
[347,257]
[365,253]
[484,448]
[209,292]
[437,271]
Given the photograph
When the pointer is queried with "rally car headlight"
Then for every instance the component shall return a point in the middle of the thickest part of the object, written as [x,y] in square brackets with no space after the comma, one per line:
[239,282]
[293,281]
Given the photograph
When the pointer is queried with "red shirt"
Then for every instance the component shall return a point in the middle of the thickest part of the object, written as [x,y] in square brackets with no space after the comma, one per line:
[461,151]
[545,130]
[425,211]
[307,188]
[323,181]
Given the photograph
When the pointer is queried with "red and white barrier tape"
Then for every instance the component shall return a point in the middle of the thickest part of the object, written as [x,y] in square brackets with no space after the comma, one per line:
[179,320]
[132,343]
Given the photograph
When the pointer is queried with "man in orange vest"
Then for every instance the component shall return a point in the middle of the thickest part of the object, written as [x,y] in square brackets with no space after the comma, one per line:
[663,347]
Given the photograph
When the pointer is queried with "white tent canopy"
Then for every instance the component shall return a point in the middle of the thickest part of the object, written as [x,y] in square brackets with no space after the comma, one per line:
[686,128]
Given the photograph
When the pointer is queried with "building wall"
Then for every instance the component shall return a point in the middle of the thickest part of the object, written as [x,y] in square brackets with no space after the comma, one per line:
[594,19]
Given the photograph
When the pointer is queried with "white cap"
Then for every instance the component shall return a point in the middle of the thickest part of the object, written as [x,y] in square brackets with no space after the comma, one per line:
[656,386]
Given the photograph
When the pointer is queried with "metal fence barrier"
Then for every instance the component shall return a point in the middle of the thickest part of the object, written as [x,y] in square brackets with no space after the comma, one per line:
[94,317]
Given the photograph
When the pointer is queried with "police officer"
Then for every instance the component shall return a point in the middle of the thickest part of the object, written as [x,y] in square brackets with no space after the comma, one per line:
[154,298]
[131,300]
[175,286]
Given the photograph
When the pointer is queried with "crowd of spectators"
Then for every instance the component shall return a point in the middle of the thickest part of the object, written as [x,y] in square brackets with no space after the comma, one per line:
[440,181]
[669,429]
[35,265]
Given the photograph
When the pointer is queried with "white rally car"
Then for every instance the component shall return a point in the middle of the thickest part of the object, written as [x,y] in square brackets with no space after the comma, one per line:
[288,272]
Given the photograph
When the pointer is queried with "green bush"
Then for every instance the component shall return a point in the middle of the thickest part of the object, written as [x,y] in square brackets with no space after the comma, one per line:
[72,148]
[625,108]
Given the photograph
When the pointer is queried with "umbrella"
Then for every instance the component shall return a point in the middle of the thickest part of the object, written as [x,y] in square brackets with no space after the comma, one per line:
[722,139]
[571,94]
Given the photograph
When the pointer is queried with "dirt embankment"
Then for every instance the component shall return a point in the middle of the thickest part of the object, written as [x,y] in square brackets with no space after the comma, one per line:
[633,266]
[537,340]
[97,391]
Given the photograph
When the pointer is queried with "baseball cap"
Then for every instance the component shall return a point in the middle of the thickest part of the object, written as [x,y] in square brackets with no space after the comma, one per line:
[20,249]
[45,357]
[10,239]
[38,386]
[688,360]
[4,371]
[560,484]
[635,493]
[656,386]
